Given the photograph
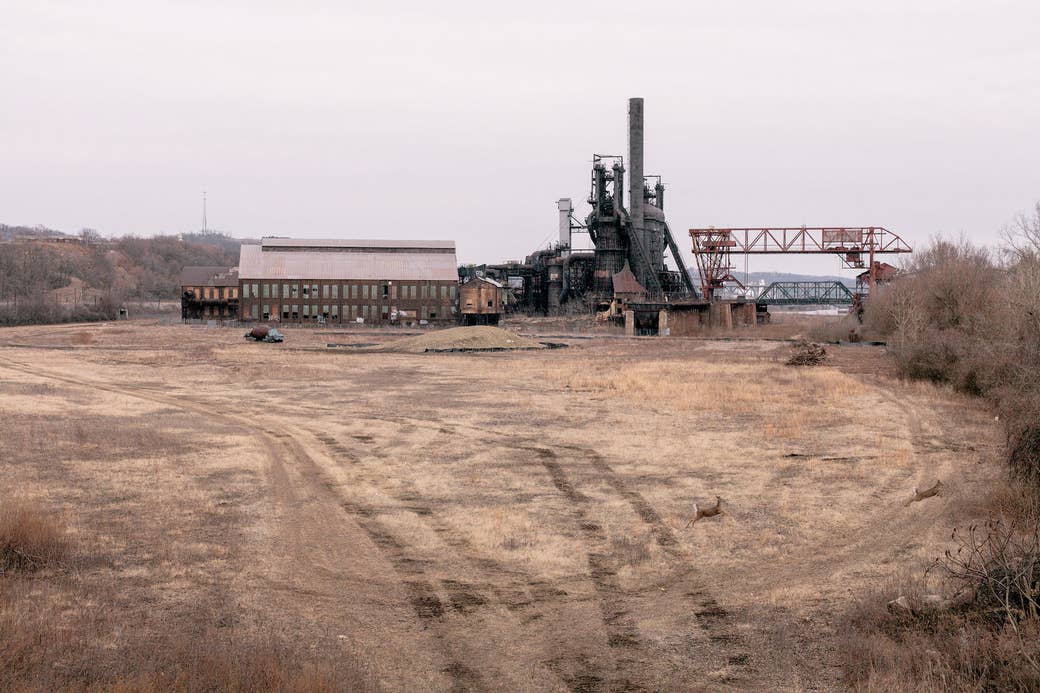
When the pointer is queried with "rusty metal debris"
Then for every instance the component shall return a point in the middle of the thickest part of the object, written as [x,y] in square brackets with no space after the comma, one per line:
[265,333]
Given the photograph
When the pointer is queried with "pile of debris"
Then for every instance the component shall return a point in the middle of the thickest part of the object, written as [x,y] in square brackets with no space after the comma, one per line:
[807,353]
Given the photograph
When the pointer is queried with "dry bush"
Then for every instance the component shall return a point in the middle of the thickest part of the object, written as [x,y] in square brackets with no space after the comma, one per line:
[846,329]
[959,317]
[30,538]
[988,640]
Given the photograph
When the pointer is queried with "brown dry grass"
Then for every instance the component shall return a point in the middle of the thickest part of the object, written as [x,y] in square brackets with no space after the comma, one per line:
[30,538]
[446,514]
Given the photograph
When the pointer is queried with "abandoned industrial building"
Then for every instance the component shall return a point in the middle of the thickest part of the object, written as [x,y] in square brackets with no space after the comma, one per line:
[209,293]
[480,301]
[336,280]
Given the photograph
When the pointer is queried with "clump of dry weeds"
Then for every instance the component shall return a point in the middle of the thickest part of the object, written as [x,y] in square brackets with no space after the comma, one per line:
[988,641]
[30,538]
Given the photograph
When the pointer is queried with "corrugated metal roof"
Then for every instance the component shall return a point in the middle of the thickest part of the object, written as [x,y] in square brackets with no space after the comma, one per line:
[375,260]
[352,243]
[201,275]
[484,279]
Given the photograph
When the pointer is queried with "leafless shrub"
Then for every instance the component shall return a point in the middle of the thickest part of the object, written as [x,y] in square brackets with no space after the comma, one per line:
[846,329]
[959,317]
[30,538]
[922,649]
[999,562]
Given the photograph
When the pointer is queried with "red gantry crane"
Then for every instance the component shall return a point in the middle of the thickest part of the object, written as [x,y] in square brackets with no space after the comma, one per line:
[856,246]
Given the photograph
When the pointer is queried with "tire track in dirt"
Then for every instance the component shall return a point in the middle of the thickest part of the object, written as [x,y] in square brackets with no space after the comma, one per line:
[514,589]
[538,596]
[716,621]
[622,633]
[421,595]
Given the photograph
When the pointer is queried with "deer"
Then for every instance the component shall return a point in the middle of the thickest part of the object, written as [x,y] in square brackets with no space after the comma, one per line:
[698,513]
[926,493]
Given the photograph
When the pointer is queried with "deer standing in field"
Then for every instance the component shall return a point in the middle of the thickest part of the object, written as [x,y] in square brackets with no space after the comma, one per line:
[698,513]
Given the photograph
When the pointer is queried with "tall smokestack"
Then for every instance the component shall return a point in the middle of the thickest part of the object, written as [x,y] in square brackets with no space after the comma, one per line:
[635,163]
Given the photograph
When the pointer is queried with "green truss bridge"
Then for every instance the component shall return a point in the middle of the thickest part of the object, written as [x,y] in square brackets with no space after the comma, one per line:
[806,293]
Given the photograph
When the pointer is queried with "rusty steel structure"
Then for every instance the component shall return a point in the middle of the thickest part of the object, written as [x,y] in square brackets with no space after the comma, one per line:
[855,246]
[629,241]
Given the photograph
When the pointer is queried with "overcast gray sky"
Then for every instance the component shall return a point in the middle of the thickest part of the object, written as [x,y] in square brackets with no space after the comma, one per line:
[467,120]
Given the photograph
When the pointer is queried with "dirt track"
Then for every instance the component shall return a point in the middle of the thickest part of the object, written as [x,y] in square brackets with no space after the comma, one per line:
[491,522]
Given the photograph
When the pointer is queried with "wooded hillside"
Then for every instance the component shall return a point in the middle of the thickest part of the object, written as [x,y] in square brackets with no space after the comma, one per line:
[35,262]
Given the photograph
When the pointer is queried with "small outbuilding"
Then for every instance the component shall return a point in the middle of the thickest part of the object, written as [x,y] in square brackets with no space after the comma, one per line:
[480,301]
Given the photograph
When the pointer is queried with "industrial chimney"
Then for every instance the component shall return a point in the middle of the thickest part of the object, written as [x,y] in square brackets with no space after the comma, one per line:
[635,163]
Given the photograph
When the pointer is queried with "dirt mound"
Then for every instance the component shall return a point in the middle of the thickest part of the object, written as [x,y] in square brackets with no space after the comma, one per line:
[462,338]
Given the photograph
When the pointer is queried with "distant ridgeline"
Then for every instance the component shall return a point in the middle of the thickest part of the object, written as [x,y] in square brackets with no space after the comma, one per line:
[50,276]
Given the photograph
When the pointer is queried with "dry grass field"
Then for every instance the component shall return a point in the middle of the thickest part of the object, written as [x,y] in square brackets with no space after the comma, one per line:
[286,516]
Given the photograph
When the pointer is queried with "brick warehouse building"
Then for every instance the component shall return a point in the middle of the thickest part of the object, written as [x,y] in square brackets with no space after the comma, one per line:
[293,280]
[209,293]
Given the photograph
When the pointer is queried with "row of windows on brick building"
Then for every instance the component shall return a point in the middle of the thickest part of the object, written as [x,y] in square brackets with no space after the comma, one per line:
[355,291]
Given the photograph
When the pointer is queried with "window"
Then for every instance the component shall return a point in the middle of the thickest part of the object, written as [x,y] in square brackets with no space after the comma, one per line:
[364,292]
[245,292]
[274,291]
[365,311]
[353,291]
[353,312]
[296,312]
[306,309]
[306,291]
[335,290]
[267,311]
[285,311]
[412,293]
[253,311]
[444,292]
[453,292]
[324,290]
[335,312]
[386,290]
[285,291]
[325,310]
[375,291]
[256,294]
[422,291]
[490,304]
[432,315]
[267,290]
